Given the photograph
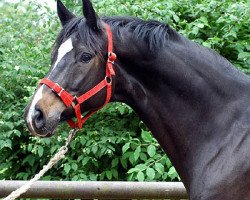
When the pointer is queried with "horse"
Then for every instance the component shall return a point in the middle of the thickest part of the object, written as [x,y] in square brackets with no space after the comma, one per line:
[194,101]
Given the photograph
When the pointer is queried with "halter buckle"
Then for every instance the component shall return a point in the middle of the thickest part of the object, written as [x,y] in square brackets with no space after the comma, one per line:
[111,57]
[59,94]
[61,90]
[111,61]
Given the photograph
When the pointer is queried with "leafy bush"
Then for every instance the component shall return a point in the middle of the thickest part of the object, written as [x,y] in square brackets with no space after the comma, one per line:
[114,144]
[23,56]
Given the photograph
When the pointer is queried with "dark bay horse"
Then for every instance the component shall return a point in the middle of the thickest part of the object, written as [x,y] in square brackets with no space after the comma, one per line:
[194,101]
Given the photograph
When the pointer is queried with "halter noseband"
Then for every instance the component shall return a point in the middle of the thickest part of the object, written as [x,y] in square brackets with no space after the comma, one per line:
[74,101]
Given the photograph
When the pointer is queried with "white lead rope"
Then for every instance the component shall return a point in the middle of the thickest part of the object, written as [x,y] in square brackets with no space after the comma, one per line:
[58,156]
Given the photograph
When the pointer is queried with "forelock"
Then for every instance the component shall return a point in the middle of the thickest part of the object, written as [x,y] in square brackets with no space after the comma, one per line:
[87,36]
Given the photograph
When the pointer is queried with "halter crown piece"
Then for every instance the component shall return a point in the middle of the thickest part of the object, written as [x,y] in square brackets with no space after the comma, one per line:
[74,101]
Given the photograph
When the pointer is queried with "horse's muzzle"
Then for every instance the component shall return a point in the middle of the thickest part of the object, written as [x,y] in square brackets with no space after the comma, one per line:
[43,116]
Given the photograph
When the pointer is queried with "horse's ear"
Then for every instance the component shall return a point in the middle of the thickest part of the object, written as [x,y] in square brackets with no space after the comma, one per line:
[63,13]
[90,14]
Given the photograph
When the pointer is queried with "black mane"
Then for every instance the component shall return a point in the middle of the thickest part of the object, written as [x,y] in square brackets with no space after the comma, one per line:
[154,33]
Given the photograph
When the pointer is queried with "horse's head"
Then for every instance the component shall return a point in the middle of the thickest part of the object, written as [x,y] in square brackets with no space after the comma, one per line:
[78,64]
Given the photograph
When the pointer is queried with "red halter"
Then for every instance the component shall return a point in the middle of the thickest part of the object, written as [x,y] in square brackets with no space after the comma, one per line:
[74,101]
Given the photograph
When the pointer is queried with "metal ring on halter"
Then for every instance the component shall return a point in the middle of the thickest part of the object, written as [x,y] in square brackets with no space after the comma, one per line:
[108,79]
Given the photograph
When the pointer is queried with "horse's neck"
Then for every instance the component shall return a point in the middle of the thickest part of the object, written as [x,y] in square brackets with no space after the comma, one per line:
[181,94]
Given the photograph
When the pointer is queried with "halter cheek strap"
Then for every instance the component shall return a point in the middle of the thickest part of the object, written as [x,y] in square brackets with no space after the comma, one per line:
[76,102]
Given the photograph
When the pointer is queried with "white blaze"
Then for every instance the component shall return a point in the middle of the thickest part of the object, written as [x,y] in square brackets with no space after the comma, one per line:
[63,50]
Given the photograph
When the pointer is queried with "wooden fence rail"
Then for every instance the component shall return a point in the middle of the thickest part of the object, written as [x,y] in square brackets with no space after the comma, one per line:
[97,190]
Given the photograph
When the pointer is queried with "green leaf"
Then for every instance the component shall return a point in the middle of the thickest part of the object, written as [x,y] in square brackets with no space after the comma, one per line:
[151,150]
[66,168]
[5,143]
[176,18]
[168,163]
[114,173]
[200,25]
[140,176]
[17,133]
[143,156]
[75,178]
[115,162]
[109,175]
[82,140]
[73,144]
[146,136]
[195,30]
[94,149]
[80,158]
[121,109]
[172,173]
[141,167]
[83,177]
[92,177]
[30,159]
[204,20]
[137,153]
[244,55]
[85,161]
[131,158]
[124,163]
[248,45]
[40,151]
[102,176]
[132,170]
[206,44]
[130,177]
[159,168]
[125,147]
[74,166]
[150,173]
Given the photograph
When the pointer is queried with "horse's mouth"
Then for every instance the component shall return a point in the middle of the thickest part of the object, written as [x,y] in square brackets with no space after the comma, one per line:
[47,129]
[51,129]
[45,132]
[50,123]
[67,114]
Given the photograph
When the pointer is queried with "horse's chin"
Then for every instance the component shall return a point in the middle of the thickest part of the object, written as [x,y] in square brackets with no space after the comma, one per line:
[46,135]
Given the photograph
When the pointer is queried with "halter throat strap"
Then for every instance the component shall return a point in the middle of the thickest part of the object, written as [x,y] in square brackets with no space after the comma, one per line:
[76,102]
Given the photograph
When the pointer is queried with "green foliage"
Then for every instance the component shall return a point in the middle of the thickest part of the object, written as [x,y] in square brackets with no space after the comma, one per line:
[23,56]
[114,144]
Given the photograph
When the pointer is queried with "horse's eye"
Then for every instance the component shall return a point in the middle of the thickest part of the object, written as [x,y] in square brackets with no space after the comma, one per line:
[86,57]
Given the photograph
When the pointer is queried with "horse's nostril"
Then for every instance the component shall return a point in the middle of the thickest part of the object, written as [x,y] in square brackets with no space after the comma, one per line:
[39,119]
